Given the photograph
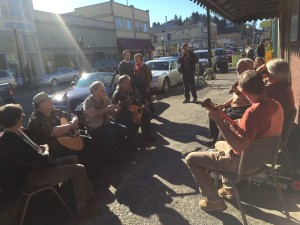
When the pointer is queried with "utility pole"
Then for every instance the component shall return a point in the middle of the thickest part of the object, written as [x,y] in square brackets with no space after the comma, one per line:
[208,38]
[19,52]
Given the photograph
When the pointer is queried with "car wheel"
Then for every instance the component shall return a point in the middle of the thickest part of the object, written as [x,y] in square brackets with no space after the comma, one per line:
[54,83]
[115,71]
[11,86]
[166,85]
[75,78]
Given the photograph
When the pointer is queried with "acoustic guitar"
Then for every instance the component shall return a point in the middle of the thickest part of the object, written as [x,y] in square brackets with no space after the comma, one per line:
[207,103]
[72,141]
[138,110]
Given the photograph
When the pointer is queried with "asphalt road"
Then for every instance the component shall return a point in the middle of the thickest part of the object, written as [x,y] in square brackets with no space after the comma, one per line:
[24,96]
[155,186]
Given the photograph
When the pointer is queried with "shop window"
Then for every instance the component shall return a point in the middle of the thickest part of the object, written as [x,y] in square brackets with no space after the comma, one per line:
[119,22]
[138,26]
[128,24]
[145,27]
[294,12]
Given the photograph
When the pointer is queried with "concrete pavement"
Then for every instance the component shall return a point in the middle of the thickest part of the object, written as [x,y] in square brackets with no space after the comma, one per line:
[155,186]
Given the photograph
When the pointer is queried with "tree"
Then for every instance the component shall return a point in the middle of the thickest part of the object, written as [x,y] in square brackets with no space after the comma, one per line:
[175,20]
[180,23]
[195,17]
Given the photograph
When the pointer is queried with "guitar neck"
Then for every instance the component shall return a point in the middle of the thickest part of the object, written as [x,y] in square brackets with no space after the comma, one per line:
[207,103]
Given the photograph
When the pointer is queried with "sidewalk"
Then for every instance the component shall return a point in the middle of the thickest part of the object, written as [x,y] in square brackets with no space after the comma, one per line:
[158,188]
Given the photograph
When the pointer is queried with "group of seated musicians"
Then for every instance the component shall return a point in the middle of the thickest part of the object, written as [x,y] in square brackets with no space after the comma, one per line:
[41,159]
[271,103]
[28,166]
[276,78]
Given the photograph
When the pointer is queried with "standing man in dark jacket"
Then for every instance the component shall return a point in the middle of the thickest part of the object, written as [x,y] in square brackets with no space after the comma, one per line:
[260,50]
[187,60]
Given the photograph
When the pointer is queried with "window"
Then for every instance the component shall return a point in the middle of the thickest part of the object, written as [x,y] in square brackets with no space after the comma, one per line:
[138,26]
[119,22]
[155,39]
[11,8]
[128,24]
[145,27]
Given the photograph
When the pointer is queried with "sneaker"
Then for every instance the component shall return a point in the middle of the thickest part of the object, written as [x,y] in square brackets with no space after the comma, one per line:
[186,101]
[226,193]
[207,206]
[194,100]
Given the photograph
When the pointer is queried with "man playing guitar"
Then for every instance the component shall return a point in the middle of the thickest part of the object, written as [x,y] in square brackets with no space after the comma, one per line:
[264,118]
[45,125]
[132,119]
[98,111]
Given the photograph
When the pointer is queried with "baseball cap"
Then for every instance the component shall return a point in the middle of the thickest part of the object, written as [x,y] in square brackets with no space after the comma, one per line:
[40,97]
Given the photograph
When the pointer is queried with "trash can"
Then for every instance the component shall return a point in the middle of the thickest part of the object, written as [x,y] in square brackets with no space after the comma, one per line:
[223,66]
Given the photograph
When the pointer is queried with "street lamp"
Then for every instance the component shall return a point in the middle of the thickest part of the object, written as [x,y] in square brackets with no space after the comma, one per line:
[162,46]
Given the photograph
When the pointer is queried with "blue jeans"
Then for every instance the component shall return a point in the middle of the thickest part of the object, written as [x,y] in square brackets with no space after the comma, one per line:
[110,136]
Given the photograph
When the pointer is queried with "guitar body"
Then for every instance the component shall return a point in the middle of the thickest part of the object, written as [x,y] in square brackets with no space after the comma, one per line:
[72,142]
[137,113]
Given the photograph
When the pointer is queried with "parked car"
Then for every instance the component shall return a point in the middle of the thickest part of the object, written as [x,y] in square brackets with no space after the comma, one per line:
[6,94]
[71,99]
[221,60]
[165,74]
[7,76]
[58,75]
[229,54]
[203,58]
[106,65]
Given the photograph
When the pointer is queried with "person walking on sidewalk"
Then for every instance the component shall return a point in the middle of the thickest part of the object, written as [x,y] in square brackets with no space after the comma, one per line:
[187,60]
[263,119]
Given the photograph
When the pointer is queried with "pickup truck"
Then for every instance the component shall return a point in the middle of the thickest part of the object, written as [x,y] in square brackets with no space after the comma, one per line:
[6,94]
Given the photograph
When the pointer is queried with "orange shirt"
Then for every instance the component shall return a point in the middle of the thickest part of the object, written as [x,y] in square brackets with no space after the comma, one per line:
[261,119]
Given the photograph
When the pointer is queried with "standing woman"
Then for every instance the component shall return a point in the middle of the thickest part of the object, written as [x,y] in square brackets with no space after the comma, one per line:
[187,60]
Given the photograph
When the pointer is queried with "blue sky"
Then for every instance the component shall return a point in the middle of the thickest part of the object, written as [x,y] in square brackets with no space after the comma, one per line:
[158,9]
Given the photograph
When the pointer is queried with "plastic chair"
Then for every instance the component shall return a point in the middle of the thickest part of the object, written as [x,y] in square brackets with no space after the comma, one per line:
[286,132]
[29,195]
[251,165]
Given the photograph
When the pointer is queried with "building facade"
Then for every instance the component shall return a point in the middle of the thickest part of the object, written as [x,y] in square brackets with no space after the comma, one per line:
[131,24]
[18,37]
[168,40]
[74,41]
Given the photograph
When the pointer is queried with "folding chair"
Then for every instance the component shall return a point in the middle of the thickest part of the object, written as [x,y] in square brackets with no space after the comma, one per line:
[254,161]
[287,129]
[29,195]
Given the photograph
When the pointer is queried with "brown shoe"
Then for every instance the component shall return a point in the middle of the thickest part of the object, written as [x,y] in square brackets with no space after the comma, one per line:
[207,206]
[226,193]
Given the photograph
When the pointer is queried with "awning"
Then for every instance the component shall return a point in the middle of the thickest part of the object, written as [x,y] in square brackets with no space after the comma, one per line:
[242,10]
[135,44]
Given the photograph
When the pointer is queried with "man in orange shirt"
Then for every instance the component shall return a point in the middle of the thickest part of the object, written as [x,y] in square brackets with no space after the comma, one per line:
[264,118]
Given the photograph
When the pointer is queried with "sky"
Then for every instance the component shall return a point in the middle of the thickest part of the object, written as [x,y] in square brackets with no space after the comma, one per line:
[158,9]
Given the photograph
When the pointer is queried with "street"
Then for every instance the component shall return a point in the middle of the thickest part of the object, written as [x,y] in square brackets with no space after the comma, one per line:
[156,187]
[24,96]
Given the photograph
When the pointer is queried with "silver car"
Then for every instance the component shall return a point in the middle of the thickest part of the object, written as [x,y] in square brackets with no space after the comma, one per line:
[7,76]
[165,74]
[59,75]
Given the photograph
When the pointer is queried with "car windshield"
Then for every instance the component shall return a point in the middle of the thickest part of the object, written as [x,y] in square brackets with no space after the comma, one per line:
[202,55]
[158,65]
[87,79]
[53,71]
[219,52]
